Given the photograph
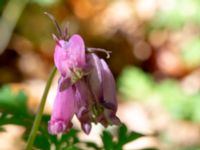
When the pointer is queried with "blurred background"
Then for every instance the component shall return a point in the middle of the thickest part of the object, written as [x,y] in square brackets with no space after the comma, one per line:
[155,59]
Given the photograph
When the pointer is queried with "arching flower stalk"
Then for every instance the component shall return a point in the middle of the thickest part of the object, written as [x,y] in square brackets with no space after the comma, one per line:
[86,86]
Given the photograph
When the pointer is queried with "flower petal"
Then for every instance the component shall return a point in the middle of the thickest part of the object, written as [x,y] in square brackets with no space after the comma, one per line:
[95,78]
[108,85]
[77,50]
[102,84]
[63,111]
[109,97]
[61,57]
[84,104]
[69,54]
[86,127]
[65,83]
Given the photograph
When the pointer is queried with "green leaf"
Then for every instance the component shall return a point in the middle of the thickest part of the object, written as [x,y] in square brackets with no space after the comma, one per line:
[122,135]
[72,148]
[125,137]
[92,145]
[72,134]
[107,140]
[133,136]
[42,142]
[13,103]
[67,140]
[13,108]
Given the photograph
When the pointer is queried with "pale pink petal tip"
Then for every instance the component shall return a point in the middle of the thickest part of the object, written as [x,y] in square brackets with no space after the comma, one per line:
[86,127]
[56,127]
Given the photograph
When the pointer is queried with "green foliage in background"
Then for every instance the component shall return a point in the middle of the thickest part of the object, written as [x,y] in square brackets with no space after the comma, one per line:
[13,110]
[190,54]
[123,138]
[174,17]
[176,14]
[137,85]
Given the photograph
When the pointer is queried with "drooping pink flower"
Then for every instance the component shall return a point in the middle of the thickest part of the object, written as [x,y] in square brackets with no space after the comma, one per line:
[102,84]
[63,111]
[86,88]
[84,104]
[109,95]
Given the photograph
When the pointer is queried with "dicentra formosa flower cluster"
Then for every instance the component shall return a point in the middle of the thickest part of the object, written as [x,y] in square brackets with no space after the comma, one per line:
[86,88]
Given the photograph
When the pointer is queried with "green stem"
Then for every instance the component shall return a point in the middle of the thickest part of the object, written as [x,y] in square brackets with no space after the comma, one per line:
[38,117]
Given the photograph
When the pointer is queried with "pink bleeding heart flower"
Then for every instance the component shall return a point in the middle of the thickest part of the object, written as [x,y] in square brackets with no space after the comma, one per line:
[76,99]
[69,55]
[69,58]
[84,104]
[102,84]
[109,95]
[92,98]
[86,87]
[63,111]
